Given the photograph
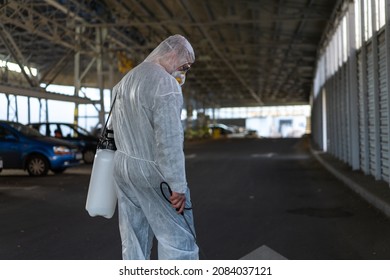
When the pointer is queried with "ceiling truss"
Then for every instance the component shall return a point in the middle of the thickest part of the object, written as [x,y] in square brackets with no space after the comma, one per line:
[248,52]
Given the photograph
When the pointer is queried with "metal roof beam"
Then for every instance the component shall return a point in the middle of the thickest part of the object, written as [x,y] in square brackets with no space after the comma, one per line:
[41,93]
[219,53]
[127,23]
[17,55]
[26,18]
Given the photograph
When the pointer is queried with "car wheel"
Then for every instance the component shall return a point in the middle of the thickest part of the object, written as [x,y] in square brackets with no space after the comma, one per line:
[37,165]
[89,156]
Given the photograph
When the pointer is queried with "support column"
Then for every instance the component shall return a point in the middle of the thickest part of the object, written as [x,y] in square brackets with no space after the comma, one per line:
[28,110]
[387,30]
[378,168]
[111,74]
[77,81]
[353,91]
[8,103]
[40,110]
[47,110]
[365,96]
[324,122]
[16,109]
[99,69]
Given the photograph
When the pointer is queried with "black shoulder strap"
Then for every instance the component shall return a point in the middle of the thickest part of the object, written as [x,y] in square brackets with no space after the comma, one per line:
[109,115]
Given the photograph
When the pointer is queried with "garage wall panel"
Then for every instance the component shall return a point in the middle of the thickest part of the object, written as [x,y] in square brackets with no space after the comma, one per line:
[371,109]
[362,112]
[383,107]
[344,114]
[357,88]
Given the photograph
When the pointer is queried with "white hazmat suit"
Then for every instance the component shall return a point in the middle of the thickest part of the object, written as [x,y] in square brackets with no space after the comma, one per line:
[148,134]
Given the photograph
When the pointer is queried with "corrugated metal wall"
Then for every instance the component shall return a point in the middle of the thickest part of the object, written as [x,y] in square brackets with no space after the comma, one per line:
[383,108]
[352,87]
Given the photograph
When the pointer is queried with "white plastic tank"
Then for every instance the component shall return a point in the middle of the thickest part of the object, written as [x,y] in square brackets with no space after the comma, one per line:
[102,197]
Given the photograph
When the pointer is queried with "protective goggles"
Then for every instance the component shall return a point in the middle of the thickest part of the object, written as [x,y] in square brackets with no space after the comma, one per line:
[184,68]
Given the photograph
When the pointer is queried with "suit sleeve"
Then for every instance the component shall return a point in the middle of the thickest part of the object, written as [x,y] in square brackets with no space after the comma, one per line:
[168,133]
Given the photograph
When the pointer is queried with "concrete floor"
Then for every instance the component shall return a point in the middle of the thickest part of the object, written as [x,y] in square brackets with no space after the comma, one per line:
[248,195]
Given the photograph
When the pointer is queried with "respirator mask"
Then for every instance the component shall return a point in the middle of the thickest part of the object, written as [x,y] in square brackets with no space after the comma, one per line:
[180,73]
[180,77]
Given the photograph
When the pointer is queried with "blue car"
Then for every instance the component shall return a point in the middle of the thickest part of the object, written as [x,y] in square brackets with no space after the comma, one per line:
[72,133]
[22,147]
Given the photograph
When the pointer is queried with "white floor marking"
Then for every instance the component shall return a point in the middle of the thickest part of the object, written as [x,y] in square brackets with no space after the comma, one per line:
[263,253]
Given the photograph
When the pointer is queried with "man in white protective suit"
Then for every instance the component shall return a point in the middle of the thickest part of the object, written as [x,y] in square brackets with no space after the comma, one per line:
[149,137]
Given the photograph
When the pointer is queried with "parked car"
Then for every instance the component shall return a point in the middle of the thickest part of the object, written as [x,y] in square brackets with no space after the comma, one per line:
[251,133]
[72,133]
[223,129]
[22,147]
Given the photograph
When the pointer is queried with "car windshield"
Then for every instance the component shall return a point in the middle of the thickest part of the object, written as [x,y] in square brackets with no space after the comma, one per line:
[25,130]
[81,131]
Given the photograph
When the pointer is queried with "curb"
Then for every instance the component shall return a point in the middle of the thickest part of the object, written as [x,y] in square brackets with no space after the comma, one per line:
[371,198]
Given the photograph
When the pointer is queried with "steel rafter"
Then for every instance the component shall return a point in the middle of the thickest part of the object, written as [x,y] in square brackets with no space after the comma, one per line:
[245,49]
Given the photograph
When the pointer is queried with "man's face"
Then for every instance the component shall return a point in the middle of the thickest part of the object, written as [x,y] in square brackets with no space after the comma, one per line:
[180,73]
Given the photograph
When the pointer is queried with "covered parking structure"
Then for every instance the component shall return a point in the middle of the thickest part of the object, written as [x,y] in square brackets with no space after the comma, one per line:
[332,55]
[248,53]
